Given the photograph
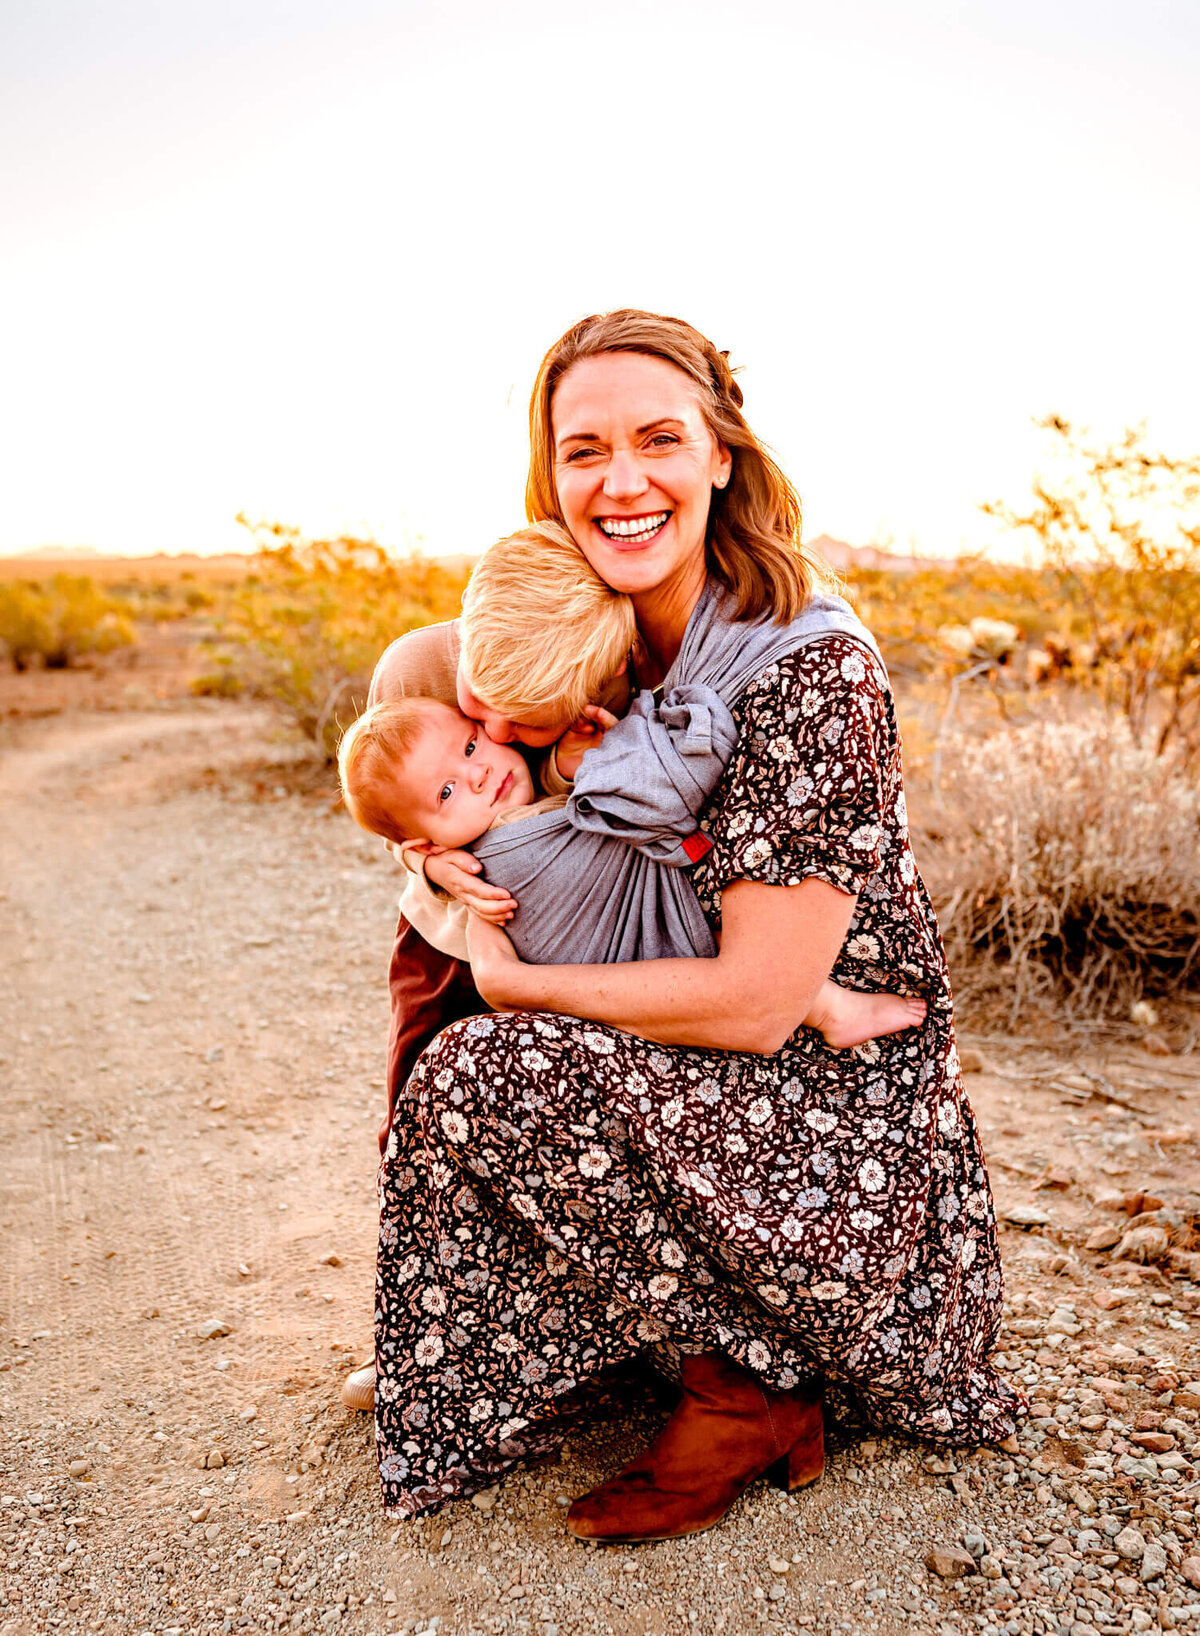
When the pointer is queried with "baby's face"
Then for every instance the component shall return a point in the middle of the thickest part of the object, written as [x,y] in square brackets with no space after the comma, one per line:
[455,782]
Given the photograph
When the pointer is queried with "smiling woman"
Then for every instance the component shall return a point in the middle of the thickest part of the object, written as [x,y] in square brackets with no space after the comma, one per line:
[661,1150]
[639,445]
[636,494]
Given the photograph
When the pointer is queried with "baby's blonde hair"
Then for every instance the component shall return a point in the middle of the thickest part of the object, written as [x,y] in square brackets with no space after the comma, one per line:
[371,748]
[540,629]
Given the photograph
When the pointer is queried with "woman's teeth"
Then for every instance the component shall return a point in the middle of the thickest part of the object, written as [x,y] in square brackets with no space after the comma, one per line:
[635,529]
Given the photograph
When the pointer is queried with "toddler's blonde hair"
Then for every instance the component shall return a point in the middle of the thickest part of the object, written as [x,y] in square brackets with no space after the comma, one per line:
[540,629]
[371,748]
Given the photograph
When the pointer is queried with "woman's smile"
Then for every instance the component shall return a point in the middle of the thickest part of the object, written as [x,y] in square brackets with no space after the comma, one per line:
[626,532]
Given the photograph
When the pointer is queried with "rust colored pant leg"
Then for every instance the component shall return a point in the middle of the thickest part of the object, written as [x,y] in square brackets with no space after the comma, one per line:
[429,991]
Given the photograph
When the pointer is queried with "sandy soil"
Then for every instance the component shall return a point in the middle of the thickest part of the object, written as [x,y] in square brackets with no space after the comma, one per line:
[193,1014]
[158,670]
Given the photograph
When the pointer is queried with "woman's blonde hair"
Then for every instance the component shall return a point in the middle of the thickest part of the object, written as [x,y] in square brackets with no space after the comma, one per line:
[540,629]
[372,749]
[753,542]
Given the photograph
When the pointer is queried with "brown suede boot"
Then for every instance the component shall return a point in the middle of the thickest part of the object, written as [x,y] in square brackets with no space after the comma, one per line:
[728,1430]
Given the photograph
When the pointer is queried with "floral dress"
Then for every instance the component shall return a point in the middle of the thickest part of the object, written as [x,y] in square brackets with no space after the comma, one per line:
[558,1196]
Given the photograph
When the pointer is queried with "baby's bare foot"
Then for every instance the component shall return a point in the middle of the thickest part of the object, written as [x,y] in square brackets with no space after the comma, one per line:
[848,1018]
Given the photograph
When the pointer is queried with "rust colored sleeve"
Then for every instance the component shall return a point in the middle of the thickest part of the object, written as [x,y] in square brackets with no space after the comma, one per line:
[429,990]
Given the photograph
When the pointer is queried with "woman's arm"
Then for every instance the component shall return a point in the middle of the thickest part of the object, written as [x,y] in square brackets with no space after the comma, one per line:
[778,945]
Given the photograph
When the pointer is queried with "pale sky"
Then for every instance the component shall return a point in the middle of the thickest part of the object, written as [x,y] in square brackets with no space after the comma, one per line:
[301,258]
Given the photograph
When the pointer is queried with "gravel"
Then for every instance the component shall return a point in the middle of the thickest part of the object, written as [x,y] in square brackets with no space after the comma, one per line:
[152,1481]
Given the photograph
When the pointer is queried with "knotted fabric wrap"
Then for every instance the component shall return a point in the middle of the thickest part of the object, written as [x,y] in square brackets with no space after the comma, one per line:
[646,783]
[600,880]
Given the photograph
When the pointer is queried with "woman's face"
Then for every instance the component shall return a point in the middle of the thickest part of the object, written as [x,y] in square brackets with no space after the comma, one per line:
[635,465]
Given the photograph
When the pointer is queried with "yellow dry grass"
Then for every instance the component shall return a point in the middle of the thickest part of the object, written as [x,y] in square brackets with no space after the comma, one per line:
[1060,836]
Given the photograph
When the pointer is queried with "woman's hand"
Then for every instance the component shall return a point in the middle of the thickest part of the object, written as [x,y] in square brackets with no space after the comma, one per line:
[496,966]
[457,873]
[583,734]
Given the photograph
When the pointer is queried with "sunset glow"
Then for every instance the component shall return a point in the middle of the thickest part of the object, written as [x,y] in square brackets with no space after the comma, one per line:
[306,267]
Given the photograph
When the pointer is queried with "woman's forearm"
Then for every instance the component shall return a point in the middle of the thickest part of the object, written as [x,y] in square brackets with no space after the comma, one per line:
[675,1002]
[778,946]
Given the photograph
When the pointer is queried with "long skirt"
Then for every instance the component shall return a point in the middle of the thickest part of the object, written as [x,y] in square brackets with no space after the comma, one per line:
[558,1197]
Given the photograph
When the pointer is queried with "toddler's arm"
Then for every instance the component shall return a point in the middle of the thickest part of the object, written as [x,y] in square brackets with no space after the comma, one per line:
[587,733]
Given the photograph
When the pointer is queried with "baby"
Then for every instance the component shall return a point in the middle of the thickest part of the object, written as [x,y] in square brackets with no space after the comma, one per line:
[418,771]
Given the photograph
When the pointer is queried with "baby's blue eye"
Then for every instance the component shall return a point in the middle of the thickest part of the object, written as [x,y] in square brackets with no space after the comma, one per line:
[471,746]
[446,791]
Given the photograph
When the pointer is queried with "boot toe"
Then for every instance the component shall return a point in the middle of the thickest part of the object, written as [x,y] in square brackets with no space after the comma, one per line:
[604,1513]
[635,1512]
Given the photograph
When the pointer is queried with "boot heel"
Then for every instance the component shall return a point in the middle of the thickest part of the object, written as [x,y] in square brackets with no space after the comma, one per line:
[802,1464]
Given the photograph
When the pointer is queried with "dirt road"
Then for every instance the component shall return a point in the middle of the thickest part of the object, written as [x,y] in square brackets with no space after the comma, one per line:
[193,1013]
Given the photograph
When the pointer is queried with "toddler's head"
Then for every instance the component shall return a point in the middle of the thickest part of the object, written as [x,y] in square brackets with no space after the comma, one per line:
[542,635]
[418,770]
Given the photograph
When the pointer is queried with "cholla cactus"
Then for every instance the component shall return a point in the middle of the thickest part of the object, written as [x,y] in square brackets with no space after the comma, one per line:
[995,638]
[958,639]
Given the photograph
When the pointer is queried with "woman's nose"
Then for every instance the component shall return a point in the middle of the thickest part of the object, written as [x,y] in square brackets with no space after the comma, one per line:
[624,479]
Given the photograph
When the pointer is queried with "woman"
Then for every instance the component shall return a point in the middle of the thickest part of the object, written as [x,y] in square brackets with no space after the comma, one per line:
[656,1152]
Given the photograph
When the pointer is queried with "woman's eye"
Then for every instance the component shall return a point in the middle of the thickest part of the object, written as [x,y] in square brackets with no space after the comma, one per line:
[663,439]
[446,791]
[580,454]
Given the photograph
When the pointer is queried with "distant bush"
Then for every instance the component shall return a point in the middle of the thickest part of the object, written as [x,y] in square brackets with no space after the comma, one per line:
[312,617]
[60,621]
[224,681]
[1065,863]
[917,616]
[160,604]
[1118,527]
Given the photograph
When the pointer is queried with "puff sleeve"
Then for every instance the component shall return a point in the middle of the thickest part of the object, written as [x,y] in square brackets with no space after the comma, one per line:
[809,792]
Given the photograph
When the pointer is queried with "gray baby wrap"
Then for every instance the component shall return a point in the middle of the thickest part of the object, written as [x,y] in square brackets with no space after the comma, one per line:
[602,879]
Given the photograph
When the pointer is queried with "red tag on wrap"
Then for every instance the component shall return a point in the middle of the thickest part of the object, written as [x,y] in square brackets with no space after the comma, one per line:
[696,846]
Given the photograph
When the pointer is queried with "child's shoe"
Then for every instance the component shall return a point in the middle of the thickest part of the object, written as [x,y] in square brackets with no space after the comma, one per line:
[358,1388]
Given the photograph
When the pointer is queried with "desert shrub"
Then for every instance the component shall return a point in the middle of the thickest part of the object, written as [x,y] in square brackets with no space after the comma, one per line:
[160,601]
[913,613]
[56,623]
[312,616]
[1118,527]
[223,681]
[1064,861]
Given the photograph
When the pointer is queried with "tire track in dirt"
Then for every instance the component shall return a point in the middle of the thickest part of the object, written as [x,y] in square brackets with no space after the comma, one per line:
[161,1159]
